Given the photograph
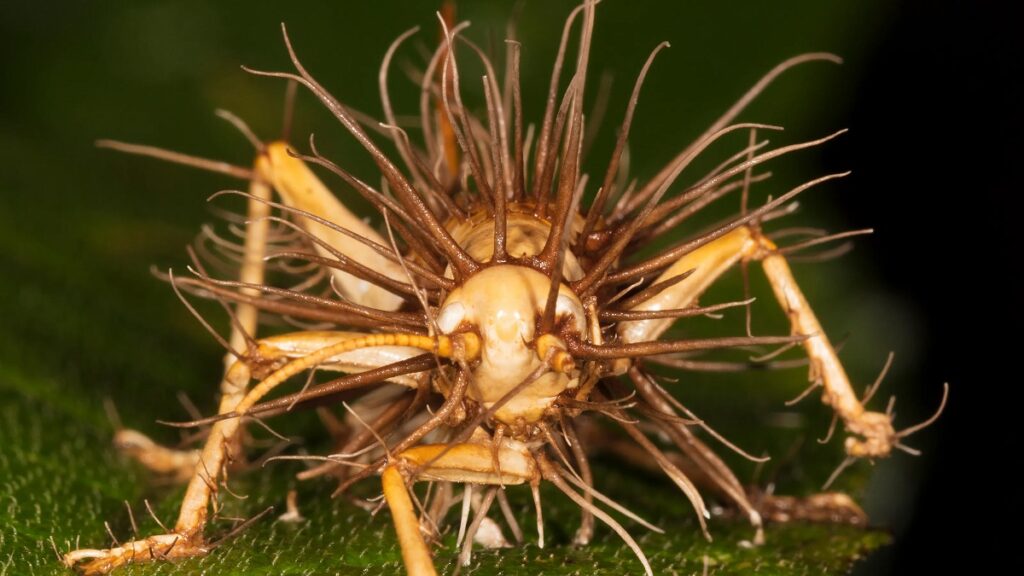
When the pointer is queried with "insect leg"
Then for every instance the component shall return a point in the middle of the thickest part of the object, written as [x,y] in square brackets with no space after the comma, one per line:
[701,268]
[459,463]
[872,433]
[182,463]
[187,536]
[301,189]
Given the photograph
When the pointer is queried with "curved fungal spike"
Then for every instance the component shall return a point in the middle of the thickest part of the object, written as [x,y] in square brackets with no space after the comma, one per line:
[544,138]
[402,144]
[242,127]
[667,257]
[588,351]
[918,427]
[597,207]
[461,261]
[608,258]
[456,114]
[430,138]
[730,115]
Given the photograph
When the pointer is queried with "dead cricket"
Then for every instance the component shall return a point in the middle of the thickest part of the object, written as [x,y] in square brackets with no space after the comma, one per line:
[487,315]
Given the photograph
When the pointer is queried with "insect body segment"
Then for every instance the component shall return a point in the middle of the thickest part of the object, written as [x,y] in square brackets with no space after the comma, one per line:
[490,313]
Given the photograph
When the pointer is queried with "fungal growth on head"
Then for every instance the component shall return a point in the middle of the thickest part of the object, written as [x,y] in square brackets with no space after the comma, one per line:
[501,302]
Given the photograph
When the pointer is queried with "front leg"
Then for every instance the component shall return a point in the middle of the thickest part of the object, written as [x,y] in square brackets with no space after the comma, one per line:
[471,462]
[187,538]
[181,464]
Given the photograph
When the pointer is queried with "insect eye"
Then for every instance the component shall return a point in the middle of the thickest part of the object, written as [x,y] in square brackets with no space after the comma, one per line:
[566,305]
[450,317]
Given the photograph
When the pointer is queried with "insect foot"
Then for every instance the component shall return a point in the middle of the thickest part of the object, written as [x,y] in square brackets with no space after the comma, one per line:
[160,547]
[877,436]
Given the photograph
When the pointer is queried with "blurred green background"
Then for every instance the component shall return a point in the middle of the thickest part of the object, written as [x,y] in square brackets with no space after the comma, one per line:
[83,318]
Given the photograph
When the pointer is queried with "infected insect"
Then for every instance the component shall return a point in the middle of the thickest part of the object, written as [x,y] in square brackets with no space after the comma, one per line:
[490,311]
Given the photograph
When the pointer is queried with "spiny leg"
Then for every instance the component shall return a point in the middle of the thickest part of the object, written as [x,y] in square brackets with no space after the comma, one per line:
[873,432]
[187,538]
[182,463]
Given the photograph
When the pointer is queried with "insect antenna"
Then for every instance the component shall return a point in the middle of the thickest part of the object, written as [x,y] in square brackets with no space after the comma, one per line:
[178,158]
[242,127]
[330,392]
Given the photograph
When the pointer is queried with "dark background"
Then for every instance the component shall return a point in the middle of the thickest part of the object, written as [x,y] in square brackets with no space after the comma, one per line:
[934,143]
